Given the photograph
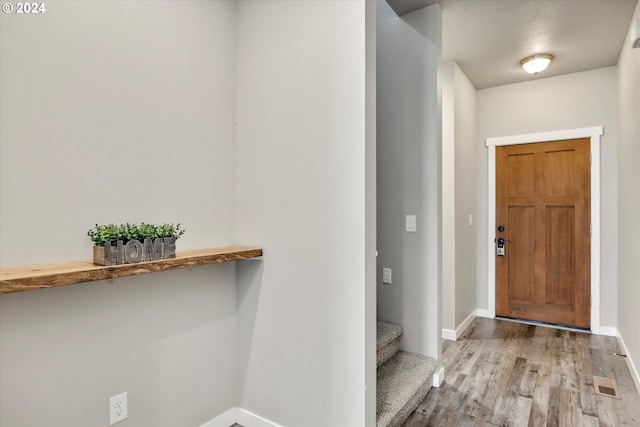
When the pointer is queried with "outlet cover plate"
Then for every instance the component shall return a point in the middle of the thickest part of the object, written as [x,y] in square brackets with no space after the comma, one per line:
[117,408]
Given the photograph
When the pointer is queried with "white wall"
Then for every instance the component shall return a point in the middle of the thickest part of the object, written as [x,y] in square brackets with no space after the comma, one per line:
[629,197]
[447,74]
[408,174]
[371,219]
[459,151]
[571,101]
[115,112]
[305,180]
[466,153]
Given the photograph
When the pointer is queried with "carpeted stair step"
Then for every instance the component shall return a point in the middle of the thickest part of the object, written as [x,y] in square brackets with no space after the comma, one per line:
[388,341]
[403,382]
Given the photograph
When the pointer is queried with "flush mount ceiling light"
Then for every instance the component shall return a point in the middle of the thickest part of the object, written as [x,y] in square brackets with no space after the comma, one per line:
[536,63]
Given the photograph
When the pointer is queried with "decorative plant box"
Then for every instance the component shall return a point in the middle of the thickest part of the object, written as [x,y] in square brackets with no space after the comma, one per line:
[134,251]
[131,243]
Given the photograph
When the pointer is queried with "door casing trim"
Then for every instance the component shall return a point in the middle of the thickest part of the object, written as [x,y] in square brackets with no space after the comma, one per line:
[594,133]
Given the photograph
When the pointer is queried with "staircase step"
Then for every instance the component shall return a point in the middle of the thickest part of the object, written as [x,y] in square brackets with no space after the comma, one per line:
[388,341]
[402,383]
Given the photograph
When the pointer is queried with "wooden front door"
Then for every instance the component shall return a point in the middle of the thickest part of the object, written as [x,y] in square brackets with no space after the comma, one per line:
[543,204]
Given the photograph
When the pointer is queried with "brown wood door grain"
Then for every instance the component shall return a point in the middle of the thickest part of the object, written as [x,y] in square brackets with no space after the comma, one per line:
[543,203]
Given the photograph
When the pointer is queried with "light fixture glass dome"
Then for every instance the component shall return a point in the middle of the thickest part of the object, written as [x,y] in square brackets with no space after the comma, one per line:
[536,63]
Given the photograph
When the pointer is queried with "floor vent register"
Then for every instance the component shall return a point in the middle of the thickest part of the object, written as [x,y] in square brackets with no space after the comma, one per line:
[606,387]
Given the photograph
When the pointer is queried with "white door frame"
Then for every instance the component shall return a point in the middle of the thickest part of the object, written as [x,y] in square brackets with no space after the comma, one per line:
[594,134]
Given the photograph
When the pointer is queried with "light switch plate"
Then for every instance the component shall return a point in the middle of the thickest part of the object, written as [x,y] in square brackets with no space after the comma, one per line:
[410,223]
[386,276]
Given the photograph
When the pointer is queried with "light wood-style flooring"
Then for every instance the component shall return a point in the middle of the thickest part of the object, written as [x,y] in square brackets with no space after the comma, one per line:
[502,373]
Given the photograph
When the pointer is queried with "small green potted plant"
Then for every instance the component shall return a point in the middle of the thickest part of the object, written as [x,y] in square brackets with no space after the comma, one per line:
[133,242]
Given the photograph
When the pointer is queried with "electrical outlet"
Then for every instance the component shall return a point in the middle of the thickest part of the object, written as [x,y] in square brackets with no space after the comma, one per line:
[117,408]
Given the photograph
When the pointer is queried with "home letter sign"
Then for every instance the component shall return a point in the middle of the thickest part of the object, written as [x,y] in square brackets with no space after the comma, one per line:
[134,251]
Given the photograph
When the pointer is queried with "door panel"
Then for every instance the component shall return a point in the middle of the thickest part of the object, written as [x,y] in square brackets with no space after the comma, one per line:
[560,250]
[521,175]
[559,173]
[543,202]
[521,251]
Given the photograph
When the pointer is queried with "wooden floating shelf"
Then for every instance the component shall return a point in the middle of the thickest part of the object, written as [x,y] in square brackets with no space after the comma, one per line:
[32,277]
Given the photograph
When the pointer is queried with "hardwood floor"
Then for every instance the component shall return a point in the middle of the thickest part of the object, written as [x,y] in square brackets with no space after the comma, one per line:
[502,373]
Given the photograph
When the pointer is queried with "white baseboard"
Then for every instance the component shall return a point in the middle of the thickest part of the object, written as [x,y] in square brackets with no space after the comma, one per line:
[465,323]
[240,416]
[609,331]
[249,419]
[438,377]
[225,419]
[451,335]
[481,312]
[630,364]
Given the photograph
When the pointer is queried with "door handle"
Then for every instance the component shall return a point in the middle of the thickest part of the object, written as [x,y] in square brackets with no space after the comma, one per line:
[500,246]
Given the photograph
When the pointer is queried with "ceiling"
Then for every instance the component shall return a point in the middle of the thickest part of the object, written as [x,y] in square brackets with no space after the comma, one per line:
[405,6]
[488,38]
